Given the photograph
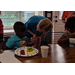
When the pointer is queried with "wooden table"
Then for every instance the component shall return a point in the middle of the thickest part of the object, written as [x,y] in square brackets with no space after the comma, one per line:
[57,54]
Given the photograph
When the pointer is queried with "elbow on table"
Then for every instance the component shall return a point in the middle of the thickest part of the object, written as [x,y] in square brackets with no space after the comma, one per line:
[58,42]
[62,42]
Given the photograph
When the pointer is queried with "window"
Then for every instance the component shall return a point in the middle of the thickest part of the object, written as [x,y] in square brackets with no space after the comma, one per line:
[25,15]
[60,14]
[10,17]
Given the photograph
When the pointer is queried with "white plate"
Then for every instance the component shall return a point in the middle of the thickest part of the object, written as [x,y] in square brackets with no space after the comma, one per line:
[27,54]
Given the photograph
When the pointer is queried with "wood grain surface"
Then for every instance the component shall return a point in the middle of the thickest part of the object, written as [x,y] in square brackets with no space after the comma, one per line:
[56,54]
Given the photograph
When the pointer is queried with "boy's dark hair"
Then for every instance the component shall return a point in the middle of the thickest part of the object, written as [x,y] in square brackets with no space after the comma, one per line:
[16,25]
[70,23]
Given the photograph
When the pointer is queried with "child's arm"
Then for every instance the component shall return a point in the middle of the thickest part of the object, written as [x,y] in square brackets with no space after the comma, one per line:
[64,39]
[9,44]
[5,48]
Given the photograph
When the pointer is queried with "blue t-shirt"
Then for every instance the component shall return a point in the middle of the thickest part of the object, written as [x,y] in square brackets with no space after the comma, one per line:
[16,42]
[32,23]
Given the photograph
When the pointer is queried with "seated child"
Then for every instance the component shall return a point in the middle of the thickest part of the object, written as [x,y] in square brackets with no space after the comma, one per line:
[19,39]
[1,33]
[69,31]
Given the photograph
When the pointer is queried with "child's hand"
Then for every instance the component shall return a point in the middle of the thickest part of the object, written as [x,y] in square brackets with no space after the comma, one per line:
[72,35]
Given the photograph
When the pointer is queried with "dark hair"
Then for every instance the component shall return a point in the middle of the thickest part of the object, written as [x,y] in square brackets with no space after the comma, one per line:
[70,24]
[16,25]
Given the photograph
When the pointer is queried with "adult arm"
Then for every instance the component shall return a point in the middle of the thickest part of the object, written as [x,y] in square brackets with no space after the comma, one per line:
[31,32]
[33,41]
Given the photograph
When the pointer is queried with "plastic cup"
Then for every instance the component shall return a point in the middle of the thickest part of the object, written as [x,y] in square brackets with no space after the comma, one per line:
[44,51]
[71,42]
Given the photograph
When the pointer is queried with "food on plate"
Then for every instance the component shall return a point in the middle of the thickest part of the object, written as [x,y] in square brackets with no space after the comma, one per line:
[29,53]
[30,49]
[26,51]
[22,52]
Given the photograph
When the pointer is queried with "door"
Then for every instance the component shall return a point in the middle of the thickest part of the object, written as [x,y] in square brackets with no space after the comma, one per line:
[58,26]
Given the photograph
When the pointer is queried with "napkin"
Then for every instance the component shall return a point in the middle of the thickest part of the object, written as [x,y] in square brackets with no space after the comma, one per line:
[7,57]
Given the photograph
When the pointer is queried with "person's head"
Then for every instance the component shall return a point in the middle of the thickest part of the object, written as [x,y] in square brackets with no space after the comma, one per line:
[19,29]
[70,24]
[44,26]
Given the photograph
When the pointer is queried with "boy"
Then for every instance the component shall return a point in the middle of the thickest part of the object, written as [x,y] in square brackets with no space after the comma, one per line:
[19,39]
[69,32]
